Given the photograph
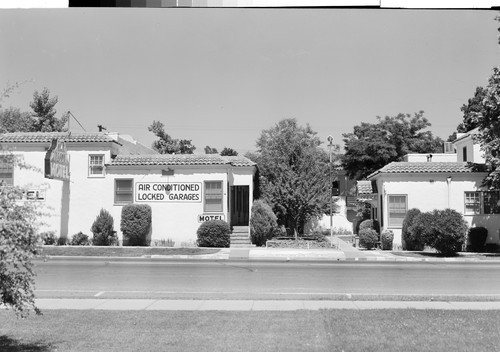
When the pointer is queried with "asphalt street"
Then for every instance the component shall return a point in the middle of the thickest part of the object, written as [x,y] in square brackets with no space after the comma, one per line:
[171,279]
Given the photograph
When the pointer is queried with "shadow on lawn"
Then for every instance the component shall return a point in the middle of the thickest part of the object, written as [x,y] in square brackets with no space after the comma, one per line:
[8,344]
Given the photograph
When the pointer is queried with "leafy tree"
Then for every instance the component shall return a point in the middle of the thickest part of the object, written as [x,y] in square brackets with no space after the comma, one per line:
[210,150]
[228,152]
[19,244]
[372,145]
[294,177]
[44,114]
[488,121]
[166,144]
[472,110]
[13,120]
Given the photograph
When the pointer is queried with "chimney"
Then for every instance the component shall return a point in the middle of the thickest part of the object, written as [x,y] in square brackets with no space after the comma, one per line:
[429,158]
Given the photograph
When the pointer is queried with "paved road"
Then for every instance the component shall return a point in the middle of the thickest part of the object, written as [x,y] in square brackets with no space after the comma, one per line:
[261,280]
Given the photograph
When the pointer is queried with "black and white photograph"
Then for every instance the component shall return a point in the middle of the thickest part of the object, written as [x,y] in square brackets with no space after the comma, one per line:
[197,176]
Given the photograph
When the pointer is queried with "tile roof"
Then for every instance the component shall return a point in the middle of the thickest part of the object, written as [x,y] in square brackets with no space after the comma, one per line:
[178,159]
[239,160]
[422,167]
[366,187]
[46,137]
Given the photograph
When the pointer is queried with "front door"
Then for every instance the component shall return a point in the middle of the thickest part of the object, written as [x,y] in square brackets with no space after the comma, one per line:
[240,213]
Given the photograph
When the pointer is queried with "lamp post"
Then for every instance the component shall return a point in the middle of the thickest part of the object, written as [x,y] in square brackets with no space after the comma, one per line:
[330,146]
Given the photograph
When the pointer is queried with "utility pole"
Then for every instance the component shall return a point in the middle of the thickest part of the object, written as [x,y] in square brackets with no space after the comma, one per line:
[330,146]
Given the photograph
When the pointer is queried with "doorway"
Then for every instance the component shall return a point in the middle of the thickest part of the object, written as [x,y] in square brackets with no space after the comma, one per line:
[240,212]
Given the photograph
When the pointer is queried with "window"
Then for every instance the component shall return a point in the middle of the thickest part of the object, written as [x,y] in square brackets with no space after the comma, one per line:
[124,192]
[213,196]
[96,165]
[6,170]
[482,203]
[397,210]
[464,153]
[472,203]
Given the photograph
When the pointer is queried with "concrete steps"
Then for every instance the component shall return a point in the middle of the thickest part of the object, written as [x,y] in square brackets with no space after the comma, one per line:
[240,237]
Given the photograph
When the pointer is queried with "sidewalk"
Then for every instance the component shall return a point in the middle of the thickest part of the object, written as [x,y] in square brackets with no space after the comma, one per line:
[252,305]
[343,252]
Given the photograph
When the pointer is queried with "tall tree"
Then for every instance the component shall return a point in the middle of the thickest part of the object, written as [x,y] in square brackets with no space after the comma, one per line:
[228,152]
[13,120]
[488,121]
[44,113]
[210,150]
[293,172]
[166,144]
[372,145]
[472,110]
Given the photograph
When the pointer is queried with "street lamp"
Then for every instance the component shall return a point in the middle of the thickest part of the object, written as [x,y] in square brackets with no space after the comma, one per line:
[330,146]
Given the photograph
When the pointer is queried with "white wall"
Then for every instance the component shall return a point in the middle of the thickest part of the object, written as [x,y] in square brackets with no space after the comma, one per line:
[171,220]
[431,191]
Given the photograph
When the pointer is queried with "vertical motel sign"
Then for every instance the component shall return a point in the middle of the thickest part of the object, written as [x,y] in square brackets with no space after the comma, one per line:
[57,161]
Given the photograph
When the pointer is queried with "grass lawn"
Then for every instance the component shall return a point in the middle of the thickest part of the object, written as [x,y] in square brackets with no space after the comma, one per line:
[116,251]
[324,330]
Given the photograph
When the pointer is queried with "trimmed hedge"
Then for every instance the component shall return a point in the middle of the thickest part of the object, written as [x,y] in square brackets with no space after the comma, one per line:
[368,238]
[386,239]
[476,239]
[448,230]
[443,230]
[214,233]
[102,228]
[411,240]
[80,239]
[370,224]
[263,223]
[135,224]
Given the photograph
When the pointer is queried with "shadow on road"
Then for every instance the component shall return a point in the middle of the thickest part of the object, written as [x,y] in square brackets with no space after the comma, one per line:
[8,344]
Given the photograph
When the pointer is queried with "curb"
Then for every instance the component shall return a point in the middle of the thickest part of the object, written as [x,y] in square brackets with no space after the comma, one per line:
[288,258]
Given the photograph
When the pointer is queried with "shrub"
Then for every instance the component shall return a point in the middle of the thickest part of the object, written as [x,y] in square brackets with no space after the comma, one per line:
[386,238]
[370,224]
[476,238]
[102,228]
[49,237]
[214,233]
[136,224]
[411,239]
[62,241]
[368,238]
[447,231]
[263,225]
[80,239]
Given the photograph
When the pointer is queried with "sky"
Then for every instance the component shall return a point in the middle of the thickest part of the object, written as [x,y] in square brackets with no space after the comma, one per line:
[221,76]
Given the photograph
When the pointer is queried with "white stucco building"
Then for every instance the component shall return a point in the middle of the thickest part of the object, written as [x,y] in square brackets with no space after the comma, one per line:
[107,170]
[429,182]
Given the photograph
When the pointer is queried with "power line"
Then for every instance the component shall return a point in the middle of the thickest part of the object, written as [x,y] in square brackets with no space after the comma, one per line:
[69,112]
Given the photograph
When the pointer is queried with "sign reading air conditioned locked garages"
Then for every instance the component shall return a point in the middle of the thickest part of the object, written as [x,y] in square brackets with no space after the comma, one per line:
[174,192]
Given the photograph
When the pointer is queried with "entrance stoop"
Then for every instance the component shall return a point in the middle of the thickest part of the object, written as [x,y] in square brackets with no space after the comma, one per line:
[240,237]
